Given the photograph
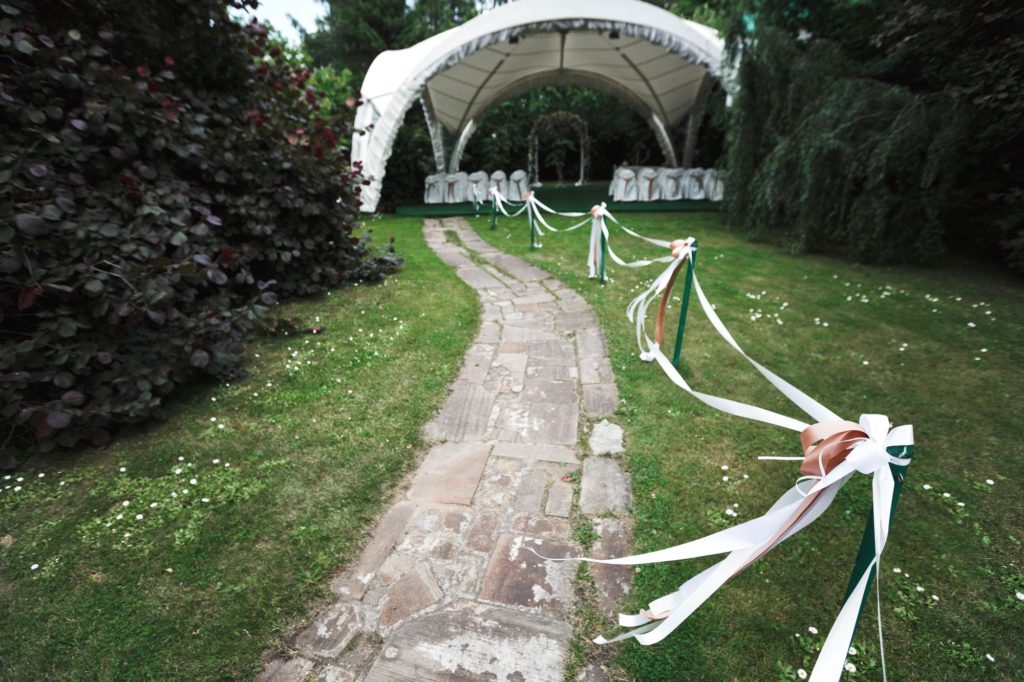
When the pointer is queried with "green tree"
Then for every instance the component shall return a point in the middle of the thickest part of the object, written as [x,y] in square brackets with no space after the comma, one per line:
[884,130]
[336,87]
[430,17]
[354,32]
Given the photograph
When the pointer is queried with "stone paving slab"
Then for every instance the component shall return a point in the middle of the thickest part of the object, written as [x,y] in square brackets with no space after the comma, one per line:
[330,633]
[613,582]
[604,487]
[559,499]
[477,278]
[466,414]
[477,363]
[282,670]
[548,453]
[600,400]
[517,576]
[389,530]
[540,423]
[414,591]
[605,438]
[473,641]
[596,371]
[450,473]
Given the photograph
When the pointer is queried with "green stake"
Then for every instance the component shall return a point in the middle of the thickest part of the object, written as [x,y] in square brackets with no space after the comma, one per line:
[533,240]
[690,263]
[494,212]
[604,247]
[866,552]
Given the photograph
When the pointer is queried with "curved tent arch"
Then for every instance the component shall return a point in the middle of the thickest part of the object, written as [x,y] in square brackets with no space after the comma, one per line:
[659,57]
[584,79]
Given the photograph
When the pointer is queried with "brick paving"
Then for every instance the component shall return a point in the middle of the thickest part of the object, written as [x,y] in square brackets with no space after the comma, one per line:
[447,588]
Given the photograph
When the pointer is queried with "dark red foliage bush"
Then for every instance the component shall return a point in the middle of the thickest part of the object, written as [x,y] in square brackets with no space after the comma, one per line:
[165,176]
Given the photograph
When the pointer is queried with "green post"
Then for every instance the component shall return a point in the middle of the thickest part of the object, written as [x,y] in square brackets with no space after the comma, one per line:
[690,264]
[604,247]
[494,212]
[866,552]
[533,239]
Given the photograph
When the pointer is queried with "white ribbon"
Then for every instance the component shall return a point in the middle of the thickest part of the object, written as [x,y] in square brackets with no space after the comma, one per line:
[499,203]
[600,213]
[637,312]
[535,206]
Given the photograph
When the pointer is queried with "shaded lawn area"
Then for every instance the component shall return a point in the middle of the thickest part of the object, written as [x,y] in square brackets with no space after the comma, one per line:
[183,550]
[939,348]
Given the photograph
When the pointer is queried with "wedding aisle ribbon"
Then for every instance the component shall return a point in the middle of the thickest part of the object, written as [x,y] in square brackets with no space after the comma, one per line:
[535,209]
[834,451]
[601,212]
[500,201]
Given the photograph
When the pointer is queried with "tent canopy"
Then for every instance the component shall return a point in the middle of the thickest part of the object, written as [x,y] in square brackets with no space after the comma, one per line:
[651,59]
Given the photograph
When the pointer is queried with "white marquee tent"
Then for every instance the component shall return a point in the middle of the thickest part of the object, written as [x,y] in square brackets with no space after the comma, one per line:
[654,61]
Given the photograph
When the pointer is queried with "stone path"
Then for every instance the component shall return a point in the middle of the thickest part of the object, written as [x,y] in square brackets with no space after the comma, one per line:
[446,588]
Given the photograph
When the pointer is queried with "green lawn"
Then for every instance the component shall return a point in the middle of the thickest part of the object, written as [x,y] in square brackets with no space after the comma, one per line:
[939,348]
[186,548]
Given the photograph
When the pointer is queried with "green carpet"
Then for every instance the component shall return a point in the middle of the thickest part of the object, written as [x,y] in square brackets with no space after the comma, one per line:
[567,197]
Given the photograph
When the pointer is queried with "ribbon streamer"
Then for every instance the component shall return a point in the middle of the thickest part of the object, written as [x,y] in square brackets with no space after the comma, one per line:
[536,205]
[601,213]
[534,208]
[500,201]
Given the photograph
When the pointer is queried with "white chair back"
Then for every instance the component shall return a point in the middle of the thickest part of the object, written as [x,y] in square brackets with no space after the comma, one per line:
[625,185]
[647,185]
[695,184]
[476,190]
[433,192]
[454,188]
[500,181]
[672,185]
[517,185]
[714,185]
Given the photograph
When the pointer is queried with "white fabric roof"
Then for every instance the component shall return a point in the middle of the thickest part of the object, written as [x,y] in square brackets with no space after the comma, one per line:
[655,64]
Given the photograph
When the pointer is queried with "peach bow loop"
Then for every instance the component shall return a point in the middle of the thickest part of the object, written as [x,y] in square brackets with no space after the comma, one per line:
[862,445]
[679,246]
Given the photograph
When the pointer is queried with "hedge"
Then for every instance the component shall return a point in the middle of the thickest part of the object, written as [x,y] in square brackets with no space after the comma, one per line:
[166,176]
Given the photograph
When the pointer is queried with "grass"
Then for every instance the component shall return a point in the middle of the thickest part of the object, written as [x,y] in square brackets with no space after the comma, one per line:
[285,472]
[939,348]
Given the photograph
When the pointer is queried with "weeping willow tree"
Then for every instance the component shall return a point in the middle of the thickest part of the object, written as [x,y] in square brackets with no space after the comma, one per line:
[882,130]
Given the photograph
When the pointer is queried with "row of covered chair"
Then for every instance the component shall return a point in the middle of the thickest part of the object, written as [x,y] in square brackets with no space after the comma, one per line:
[457,188]
[666,184]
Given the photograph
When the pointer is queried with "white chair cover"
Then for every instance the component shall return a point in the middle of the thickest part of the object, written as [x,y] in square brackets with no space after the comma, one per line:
[433,190]
[647,185]
[455,188]
[625,185]
[714,185]
[672,185]
[695,184]
[517,184]
[500,181]
[476,190]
